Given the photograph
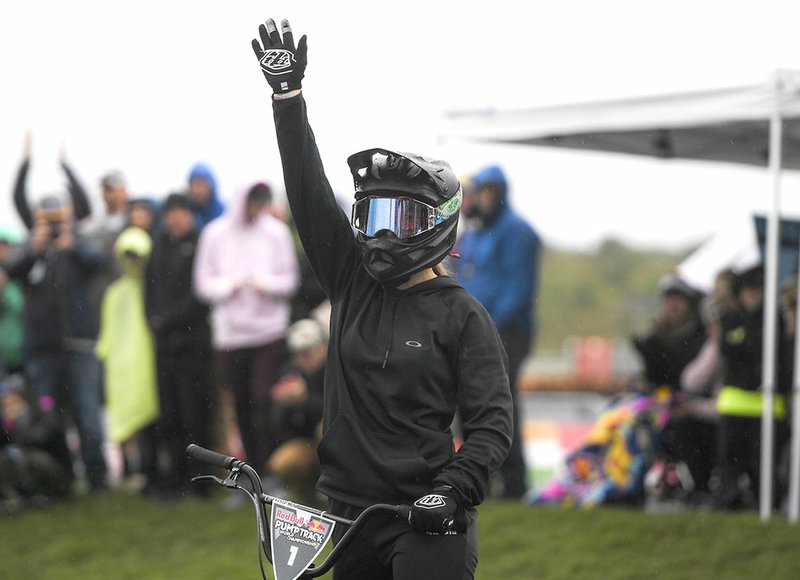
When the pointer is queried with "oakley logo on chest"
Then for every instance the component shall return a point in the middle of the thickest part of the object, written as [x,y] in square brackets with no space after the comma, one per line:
[414,344]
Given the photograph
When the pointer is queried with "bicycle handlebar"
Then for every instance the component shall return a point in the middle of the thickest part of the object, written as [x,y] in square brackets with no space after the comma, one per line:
[230,463]
[211,457]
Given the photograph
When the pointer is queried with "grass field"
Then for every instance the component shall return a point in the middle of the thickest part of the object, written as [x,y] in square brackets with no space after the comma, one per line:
[120,536]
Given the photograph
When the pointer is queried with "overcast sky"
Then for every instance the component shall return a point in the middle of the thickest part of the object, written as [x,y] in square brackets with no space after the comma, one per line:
[151,87]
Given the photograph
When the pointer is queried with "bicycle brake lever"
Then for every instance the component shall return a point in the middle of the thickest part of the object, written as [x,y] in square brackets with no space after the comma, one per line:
[213,478]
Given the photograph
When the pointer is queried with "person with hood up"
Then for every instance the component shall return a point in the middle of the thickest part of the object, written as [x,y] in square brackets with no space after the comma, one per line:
[408,348]
[125,347]
[206,204]
[246,269]
[499,265]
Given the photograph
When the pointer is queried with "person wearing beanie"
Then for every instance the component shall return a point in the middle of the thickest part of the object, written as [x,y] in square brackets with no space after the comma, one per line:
[179,321]
[298,397]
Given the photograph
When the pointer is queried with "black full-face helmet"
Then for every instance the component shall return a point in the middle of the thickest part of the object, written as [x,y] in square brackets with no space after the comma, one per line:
[416,199]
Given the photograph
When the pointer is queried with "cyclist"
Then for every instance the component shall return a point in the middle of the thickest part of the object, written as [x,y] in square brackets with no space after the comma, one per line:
[409,346]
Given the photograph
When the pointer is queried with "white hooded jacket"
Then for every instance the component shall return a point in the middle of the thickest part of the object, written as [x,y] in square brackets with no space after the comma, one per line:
[248,272]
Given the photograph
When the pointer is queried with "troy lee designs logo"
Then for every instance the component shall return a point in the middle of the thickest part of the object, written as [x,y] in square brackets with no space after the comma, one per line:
[430,501]
[277,61]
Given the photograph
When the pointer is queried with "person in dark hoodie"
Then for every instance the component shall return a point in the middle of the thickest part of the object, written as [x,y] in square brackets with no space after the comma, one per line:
[203,193]
[179,321]
[408,346]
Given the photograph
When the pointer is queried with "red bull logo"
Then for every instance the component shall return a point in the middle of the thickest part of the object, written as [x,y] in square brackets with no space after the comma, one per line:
[317,526]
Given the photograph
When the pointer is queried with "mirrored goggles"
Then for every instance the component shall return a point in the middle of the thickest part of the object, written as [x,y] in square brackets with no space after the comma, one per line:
[403,216]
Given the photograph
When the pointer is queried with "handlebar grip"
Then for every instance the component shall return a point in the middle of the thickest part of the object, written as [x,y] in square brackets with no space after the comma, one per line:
[457,523]
[210,457]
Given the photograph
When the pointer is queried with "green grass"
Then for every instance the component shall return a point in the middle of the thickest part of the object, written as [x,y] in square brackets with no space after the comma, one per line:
[122,537]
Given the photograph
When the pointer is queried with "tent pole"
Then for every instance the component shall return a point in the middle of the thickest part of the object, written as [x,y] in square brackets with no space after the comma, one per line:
[770,319]
[794,473]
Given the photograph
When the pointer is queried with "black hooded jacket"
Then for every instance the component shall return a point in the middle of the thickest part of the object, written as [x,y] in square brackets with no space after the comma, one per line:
[400,362]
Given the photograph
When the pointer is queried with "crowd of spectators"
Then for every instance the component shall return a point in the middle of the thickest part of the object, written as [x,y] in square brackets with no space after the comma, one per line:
[144,324]
[704,353]
[124,326]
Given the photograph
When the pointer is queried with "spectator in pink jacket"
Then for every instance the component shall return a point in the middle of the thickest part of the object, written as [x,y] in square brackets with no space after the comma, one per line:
[246,268]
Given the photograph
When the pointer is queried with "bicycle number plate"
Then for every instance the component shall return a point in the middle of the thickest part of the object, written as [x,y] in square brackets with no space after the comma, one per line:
[297,537]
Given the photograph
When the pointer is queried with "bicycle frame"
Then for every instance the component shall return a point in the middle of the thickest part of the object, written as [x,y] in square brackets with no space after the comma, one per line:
[287,519]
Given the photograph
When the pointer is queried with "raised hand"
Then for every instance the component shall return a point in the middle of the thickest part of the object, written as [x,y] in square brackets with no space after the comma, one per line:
[282,63]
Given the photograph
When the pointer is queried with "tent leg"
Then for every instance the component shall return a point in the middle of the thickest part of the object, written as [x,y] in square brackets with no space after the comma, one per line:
[794,472]
[770,321]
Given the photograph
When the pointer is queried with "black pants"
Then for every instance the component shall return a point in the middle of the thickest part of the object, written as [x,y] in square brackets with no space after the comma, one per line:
[388,549]
[251,373]
[513,470]
[739,441]
[186,400]
[692,440]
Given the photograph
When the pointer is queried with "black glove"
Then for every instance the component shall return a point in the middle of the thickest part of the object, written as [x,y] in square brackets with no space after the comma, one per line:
[282,64]
[434,513]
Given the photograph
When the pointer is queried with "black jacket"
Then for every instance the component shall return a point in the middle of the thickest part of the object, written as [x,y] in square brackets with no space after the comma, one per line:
[399,362]
[57,298]
[741,349]
[178,318]
[665,356]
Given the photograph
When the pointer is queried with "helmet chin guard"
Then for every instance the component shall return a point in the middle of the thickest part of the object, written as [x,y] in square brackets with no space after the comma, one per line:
[383,173]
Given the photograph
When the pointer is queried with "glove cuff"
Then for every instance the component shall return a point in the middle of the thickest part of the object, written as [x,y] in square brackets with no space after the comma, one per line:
[286,95]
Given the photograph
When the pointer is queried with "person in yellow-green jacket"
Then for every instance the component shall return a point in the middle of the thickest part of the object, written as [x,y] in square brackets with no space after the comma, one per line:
[125,346]
[739,402]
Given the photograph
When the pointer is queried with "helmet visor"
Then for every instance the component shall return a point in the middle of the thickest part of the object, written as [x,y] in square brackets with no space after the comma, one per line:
[403,216]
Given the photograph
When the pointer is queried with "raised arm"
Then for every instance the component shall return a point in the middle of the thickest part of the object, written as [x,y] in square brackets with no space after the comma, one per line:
[323,227]
[20,187]
[81,207]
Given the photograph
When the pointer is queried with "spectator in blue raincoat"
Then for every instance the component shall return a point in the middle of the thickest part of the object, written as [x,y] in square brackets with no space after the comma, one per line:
[204,194]
[499,265]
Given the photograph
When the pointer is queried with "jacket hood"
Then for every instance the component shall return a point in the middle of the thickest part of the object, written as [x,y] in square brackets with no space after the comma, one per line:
[213,207]
[237,204]
[491,175]
[133,241]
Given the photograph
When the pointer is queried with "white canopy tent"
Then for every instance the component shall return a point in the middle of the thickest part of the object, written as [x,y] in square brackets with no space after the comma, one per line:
[754,125]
